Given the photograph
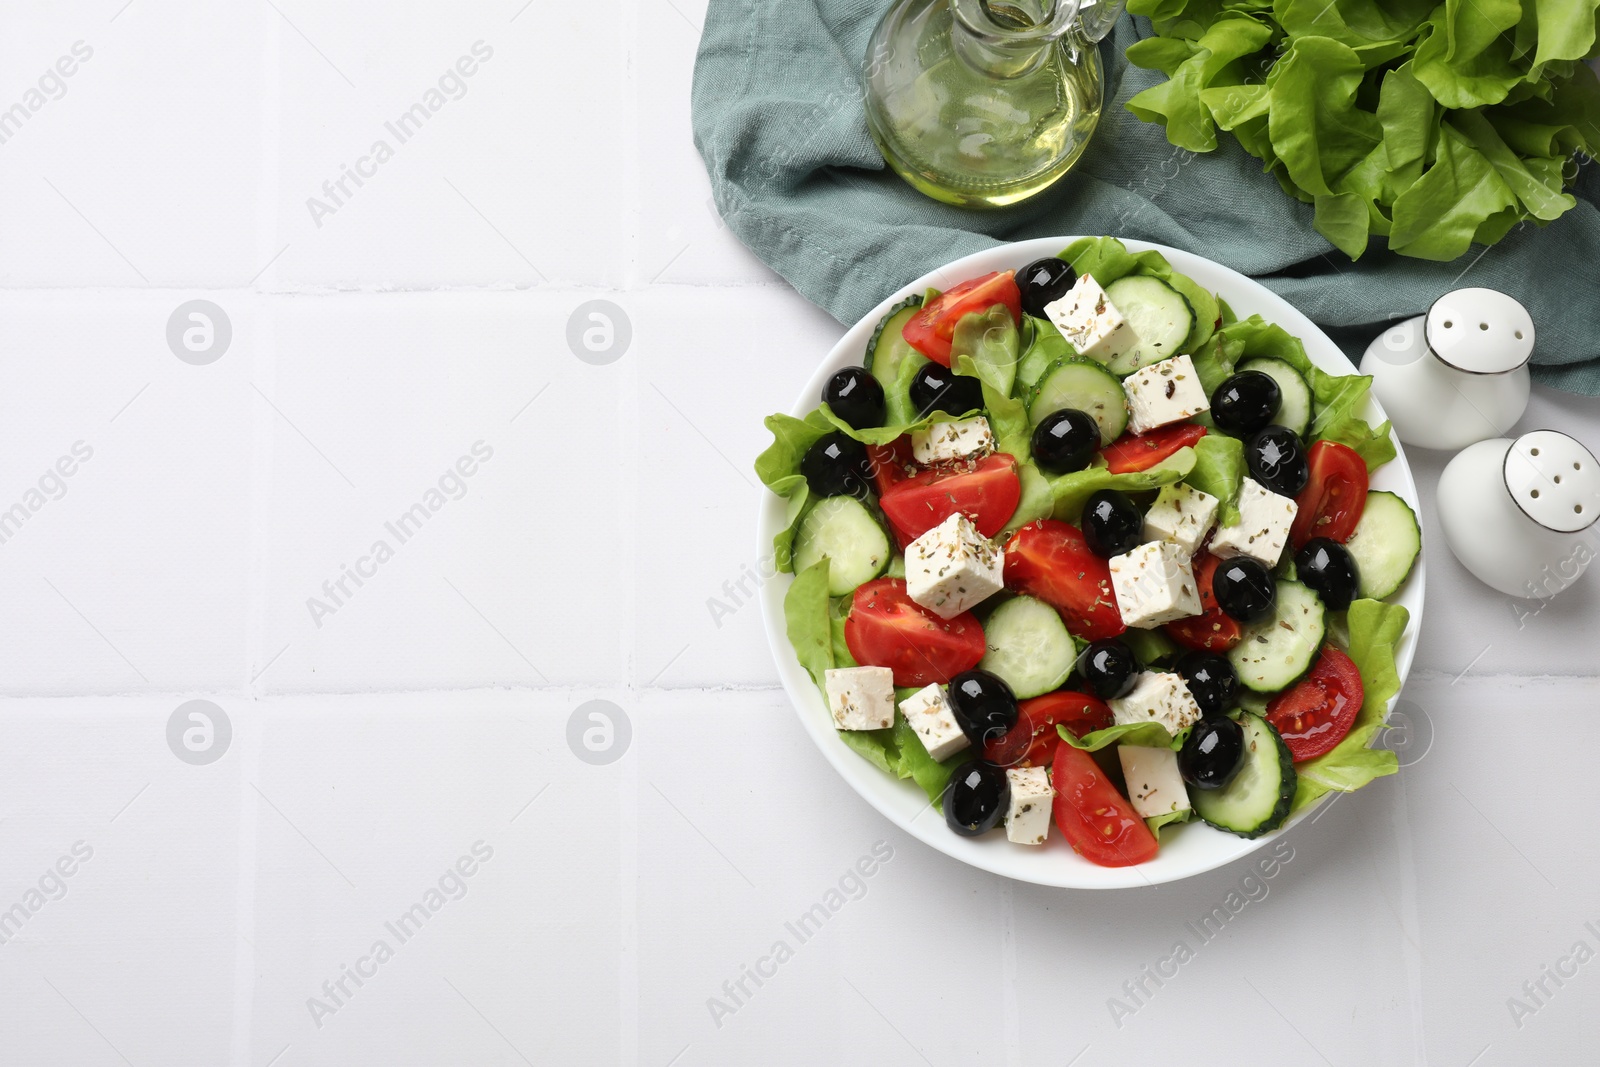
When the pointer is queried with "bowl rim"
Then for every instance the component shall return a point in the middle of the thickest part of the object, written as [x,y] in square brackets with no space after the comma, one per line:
[1188,851]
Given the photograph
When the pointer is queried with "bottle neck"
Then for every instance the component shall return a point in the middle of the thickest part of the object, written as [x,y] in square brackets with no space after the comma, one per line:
[1009,38]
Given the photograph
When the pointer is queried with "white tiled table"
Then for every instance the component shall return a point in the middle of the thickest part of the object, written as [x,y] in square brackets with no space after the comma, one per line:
[421,718]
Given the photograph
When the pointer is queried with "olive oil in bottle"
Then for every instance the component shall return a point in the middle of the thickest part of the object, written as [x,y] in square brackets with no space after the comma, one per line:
[984,103]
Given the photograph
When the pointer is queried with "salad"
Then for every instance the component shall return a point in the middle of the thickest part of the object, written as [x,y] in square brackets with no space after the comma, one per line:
[1085,555]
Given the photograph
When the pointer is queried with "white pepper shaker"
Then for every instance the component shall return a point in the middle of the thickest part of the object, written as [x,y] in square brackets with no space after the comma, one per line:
[1518,513]
[1456,375]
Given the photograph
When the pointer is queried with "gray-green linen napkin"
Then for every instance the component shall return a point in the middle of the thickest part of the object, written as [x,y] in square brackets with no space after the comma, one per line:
[779,121]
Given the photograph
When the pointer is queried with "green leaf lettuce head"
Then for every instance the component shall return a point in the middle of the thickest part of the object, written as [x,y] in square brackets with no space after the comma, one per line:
[1434,125]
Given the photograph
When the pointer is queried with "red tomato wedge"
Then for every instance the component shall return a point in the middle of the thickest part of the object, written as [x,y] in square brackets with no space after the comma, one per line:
[929,331]
[885,628]
[1032,741]
[1141,451]
[986,492]
[1318,712]
[891,463]
[1213,630]
[1334,497]
[1097,821]
[1050,561]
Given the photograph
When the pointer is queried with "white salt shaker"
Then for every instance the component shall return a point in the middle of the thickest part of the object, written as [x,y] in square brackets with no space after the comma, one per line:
[1457,374]
[1517,513]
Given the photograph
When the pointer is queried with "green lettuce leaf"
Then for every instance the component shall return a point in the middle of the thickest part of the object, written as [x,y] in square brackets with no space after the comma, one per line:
[916,764]
[1409,117]
[1156,822]
[1466,55]
[1044,345]
[1337,399]
[1321,135]
[815,626]
[898,409]
[1148,734]
[1565,28]
[806,621]
[816,631]
[1354,23]
[1106,259]
[1213,60]
[1070,492]
[1219,470]
[1537,187]
[1150,646]
[1439,215]
[779,470]
[990,339]
[1374,629]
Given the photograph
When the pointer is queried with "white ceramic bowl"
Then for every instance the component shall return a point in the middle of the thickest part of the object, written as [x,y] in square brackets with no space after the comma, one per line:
[1186,850]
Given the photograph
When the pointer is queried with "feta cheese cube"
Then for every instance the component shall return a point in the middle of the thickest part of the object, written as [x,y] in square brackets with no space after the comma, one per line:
[928,712]
[1263,526]
[1154,584]
[1154,785]
[1157,697]
[945,442]
[1164,392]
[1090,322]
[1181,514]
[1028,816]
[860,698]
[952,567]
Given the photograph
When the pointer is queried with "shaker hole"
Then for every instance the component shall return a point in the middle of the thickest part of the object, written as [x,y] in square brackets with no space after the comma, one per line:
[1558,479]
[1534,494]
[1483,325]
[1577,509]
[1448,324]
[1577,466]
[1518,335]
[1533,451]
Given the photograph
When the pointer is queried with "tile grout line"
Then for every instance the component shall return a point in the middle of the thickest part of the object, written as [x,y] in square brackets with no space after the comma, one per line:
[628,792]
[263,350]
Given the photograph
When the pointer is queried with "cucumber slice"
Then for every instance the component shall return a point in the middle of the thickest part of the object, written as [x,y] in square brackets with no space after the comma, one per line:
[1028,646]
[888,348]
[1257,800]
[1294,410]
[842,529]
[1081,383]
[1278,649]
[1159,316]
[1385,544]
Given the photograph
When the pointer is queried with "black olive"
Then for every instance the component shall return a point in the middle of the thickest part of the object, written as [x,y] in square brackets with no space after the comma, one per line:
[983,704]
[1329,569]
[1213,753]
[1111,524]
[976,798]
[936,388]
[837,465]
[1245,403]
[1065,441]
[1108,667]
[1277,460]
[1044,281]
[1211,681]
[1244,589]
[856,397]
